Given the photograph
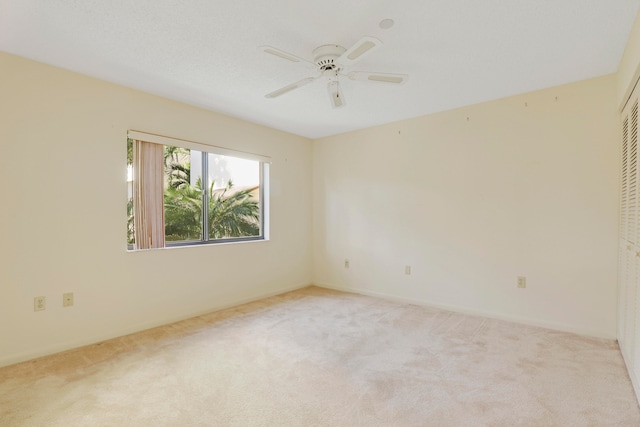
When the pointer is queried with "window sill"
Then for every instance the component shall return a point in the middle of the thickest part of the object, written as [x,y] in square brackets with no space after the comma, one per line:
[201,244]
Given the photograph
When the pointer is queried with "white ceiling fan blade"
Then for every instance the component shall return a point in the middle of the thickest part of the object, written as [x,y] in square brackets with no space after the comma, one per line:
[290,87]
[366,76]
[335,94]
[288,56]
[356,52]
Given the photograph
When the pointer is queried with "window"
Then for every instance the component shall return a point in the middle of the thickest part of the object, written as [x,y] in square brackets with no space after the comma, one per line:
[183,193]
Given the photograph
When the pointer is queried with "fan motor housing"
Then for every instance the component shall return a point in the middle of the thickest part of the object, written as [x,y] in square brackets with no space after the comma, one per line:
[325,57]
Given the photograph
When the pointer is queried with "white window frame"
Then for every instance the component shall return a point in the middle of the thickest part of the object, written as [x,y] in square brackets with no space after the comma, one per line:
[265,163]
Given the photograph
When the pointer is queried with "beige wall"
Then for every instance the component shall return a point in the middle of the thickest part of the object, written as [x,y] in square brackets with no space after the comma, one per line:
[470,198]
[473,198]
[629,69]
[63,215]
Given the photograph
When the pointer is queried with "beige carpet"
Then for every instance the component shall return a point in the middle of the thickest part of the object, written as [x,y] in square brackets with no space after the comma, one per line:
[316,357]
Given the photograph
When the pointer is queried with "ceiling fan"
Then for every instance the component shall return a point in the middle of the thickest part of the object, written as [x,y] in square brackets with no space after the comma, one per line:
[330,62]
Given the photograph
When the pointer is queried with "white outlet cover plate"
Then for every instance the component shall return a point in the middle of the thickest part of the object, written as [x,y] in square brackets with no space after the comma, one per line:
[67,299]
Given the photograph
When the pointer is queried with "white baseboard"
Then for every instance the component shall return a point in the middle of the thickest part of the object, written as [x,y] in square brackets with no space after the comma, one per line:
[466,310]
[69,345]
[231,302]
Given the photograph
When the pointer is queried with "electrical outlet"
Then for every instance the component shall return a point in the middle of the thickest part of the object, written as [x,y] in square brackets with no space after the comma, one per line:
[346,263]
[67,299]
[522,282]
[39,303]
[407,270]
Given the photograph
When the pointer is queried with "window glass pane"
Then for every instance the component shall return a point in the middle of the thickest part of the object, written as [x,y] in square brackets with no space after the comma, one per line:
[182,194]
[234,197]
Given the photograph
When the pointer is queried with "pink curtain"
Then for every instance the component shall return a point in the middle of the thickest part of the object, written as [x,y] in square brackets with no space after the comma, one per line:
[148,195]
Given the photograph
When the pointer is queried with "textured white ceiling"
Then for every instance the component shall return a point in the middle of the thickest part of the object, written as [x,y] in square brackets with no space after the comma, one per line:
[205,52]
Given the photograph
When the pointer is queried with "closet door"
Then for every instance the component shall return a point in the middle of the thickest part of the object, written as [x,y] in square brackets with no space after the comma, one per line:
[633,280]
[623,246]
[632,229]
[629,248]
